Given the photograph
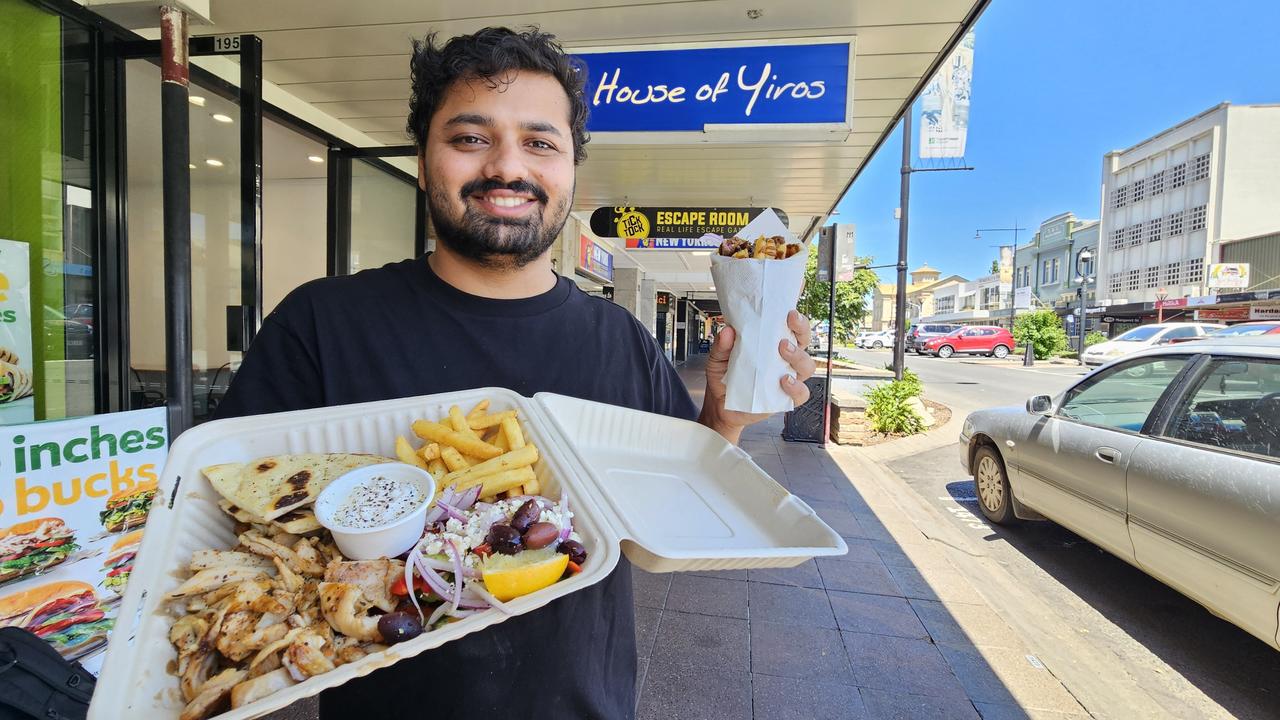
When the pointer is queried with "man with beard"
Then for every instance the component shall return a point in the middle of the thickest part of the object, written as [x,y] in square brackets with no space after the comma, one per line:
[500,122]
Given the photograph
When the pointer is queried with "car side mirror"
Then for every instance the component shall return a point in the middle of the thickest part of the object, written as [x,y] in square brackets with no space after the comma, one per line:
[1039,405]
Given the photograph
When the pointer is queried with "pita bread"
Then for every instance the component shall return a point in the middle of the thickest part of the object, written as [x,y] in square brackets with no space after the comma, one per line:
[9,356]
[299,521]
[271,487]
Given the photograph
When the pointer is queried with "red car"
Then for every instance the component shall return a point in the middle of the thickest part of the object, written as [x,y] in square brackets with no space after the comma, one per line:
[974,339]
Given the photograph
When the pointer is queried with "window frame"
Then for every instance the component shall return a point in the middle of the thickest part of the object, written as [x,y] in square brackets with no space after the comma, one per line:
[1159,409]
[1190,383]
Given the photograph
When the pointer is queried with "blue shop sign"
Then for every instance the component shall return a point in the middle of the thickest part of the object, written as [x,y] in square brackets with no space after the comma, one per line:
[688,89]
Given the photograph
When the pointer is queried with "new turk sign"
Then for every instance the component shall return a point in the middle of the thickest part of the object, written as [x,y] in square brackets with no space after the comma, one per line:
[670,90]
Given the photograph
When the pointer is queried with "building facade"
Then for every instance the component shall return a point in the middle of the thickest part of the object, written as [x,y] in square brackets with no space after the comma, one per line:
[1172,204]
[1047,265]
[926,284]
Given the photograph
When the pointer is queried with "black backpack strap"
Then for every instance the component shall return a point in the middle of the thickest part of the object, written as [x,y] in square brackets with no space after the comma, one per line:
[37,682]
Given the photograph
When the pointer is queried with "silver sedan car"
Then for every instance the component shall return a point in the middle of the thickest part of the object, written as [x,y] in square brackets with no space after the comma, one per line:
[1169,459]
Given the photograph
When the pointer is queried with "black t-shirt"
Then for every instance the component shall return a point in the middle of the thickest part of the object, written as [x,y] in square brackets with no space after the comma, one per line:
[401,331]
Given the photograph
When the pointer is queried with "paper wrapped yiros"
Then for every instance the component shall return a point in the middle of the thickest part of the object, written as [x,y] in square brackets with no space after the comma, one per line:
[755,296]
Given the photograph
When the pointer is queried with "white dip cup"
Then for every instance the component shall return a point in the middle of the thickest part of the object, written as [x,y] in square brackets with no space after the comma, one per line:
[390,540]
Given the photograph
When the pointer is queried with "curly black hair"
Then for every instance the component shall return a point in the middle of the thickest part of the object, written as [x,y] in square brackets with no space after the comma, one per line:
[490,54]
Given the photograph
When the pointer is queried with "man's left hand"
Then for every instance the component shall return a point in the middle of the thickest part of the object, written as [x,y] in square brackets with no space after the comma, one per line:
[730,423]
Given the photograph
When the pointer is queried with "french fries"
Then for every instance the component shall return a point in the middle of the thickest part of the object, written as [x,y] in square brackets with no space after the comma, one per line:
[512,433]
[461,443]
[478,410]
[479,448]
[454,460]
[405,452]
[463,479]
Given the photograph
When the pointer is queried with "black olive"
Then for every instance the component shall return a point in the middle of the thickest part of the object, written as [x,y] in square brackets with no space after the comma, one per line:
[527,515]
[504,539]
[399,626]
[574,550]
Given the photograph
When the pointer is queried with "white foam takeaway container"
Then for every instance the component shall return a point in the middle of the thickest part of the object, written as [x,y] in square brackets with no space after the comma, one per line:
[669,494]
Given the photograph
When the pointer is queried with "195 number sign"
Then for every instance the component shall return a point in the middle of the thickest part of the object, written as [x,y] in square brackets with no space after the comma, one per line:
[226,43]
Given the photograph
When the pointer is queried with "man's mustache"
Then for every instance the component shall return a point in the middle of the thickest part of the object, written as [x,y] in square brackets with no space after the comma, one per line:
[480,187]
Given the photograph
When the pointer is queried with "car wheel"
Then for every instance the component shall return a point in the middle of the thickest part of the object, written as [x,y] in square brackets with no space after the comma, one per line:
[991,485]
[1000,351]
[877,345]
[945,352]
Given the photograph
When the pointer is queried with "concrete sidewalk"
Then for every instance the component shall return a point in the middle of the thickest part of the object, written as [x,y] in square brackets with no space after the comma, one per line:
[892,630]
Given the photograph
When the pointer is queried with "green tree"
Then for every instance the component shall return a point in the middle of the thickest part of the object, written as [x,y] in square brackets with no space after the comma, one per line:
[851,296]
[1042,330]
[995,266]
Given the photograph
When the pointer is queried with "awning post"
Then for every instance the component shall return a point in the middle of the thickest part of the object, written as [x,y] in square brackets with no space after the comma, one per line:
[175,135]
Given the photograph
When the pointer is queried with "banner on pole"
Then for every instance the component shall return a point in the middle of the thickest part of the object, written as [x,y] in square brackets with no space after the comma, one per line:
[944,113]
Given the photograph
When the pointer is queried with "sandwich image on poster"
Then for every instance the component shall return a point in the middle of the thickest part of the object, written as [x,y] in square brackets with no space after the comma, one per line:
[119,562]
[128,509]
[66,613]
[33,546]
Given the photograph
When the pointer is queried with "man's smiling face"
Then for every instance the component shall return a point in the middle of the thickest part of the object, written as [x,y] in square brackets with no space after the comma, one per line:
[498,169]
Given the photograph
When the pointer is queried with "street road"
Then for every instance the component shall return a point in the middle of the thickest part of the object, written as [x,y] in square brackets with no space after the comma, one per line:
[1189,663]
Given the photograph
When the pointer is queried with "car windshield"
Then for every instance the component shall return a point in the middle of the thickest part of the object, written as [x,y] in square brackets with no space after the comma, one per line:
[1239,330]
[1139,334]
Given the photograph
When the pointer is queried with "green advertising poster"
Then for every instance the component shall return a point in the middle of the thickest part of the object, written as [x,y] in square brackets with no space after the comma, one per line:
[17,404]
[74,498]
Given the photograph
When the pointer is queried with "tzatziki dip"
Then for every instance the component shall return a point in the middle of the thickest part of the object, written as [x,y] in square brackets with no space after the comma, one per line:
[376,502]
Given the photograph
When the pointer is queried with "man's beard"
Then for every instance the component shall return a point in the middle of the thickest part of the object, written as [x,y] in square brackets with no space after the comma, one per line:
[491,241]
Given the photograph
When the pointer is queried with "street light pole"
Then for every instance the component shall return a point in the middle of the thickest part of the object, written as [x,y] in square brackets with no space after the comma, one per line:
[977,235]
[1082,278]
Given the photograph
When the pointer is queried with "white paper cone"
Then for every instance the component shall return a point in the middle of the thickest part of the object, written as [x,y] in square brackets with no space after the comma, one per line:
[755,298]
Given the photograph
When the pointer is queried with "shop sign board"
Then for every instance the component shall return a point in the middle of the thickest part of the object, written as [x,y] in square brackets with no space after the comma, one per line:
[1265,311]
[664,301]
[1220,314]
[1238,297]
[594,261]
[673,228]
[74,496]
[1022,298]
[17,366]
[843,238]
[1171,303]
[1229,275]
[675,89]
[1202,300]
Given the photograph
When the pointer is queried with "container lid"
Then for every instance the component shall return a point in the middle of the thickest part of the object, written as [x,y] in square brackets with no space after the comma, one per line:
[680,496]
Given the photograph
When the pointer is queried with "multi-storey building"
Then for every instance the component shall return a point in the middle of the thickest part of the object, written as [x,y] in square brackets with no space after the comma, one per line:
[926,282]
[1171,202]
[1047,265]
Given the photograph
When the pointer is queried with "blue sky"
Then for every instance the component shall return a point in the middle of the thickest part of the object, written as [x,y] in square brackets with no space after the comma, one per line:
[1056,85]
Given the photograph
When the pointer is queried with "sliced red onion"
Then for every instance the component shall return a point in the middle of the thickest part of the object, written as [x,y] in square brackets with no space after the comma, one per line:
[448,567]
[458,575]
[488,597]
[563,509]
[414,557]
[468,498]
[452,512]
[437,583]
[440,611]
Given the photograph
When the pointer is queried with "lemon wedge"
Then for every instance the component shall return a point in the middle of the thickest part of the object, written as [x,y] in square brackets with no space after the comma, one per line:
[510,576]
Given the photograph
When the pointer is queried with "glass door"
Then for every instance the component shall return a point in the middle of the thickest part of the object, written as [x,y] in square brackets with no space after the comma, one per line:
[225,141]
[377,213]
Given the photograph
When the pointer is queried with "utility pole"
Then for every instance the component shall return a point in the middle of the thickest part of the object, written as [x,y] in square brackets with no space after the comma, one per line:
[904,207]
